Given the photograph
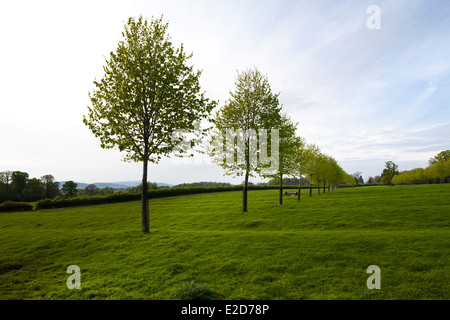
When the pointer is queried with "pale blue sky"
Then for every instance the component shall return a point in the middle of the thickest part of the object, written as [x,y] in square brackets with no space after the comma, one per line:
[363,96]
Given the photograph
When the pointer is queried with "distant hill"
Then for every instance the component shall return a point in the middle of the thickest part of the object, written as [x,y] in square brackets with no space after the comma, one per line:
[204,184]
[116,185]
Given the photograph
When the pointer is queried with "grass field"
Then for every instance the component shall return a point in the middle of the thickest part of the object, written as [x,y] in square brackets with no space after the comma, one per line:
[203,246]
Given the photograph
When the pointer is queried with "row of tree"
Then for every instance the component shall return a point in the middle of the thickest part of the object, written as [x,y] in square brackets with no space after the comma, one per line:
[149,92]
[247,120]
[17,186]
[438,170]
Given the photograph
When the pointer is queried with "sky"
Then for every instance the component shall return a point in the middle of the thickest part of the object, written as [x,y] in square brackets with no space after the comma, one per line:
[364,96]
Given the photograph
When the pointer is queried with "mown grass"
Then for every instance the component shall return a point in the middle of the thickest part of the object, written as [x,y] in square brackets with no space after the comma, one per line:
[204,247]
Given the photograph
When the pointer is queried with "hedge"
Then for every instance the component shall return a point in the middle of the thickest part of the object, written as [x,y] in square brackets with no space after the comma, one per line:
[11,206]
[152,194]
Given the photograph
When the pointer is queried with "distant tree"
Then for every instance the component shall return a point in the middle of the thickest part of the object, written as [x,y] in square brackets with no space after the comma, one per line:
[361,180]
[304,157]
[319,170]
[389,172]
[441,156]
[251,107]
[18,183]
[309,164]
[5,180]
[91,189]
[70,189]
[34,190]
[148,93]
[289,145]
[150,186]
[439,164]
[356,176]
[348,179]
[106,191]
[51,186]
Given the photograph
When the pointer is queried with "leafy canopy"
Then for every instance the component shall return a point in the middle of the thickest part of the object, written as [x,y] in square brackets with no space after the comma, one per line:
[252,107]
[147,93]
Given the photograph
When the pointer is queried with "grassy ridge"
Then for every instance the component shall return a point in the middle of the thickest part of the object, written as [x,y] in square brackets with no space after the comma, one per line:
[318,248]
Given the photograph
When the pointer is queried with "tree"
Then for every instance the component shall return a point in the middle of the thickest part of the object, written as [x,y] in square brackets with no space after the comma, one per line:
[389,172]
[147,94]
[311,166]
[51,186]
[439,164]
[441,156]
[70,189]
[357,176]
[5,179]
[150,186]
[106,191]
[319,170]
[303,160]
[34,190]
[18,182]
[288,145]
[91,189]
[251,108]
[335,173]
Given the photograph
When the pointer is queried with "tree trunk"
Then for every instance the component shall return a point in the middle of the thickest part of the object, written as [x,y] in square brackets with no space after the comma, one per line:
[328,187]
[318,188]
[144,199]
[244,193]
[310,187]
[281,188]
[324,185]
[299,188]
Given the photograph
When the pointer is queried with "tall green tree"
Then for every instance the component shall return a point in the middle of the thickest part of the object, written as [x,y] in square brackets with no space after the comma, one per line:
[51,186]
[303,158]
[310,164]
[439,164]
[19,181]
[70,189]
[147,94]
[320,170]
[252,107]
[34,190]
[288,145]
[5,181]
[389,172]
[91,189]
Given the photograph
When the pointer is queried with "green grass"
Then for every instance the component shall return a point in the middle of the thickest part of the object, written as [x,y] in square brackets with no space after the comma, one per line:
[203,246]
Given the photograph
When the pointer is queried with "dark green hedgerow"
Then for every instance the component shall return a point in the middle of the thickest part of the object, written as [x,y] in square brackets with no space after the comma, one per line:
[10,206]
[152,194]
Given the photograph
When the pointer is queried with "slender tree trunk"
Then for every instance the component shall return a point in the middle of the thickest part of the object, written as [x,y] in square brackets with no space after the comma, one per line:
[244,193]
[281,188]
[299,188]
[328,187]
[310,187]
[324,185]
[144,199]
[318,188]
